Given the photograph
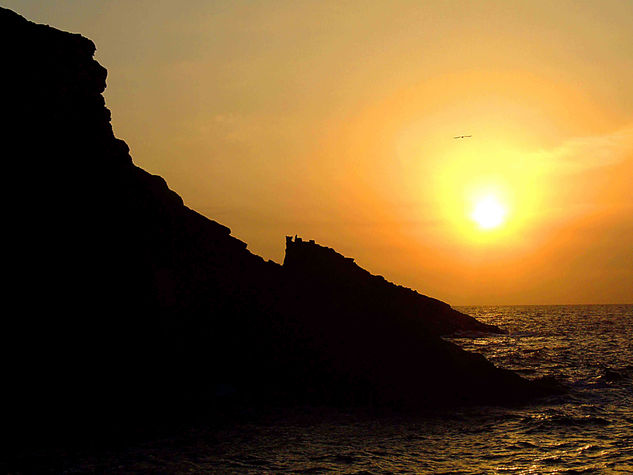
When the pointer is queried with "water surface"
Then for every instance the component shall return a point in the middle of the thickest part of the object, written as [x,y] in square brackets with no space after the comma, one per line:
[588,430]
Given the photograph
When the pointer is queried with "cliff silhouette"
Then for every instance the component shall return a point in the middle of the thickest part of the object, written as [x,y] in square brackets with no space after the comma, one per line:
[127,305]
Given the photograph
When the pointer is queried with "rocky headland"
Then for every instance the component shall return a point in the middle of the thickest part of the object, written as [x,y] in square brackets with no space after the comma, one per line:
[127,305]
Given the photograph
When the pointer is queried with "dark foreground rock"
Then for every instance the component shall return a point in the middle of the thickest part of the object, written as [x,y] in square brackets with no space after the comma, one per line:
[127,306]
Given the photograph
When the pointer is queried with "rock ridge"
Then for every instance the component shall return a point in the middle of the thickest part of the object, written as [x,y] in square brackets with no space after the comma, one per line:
[309,260]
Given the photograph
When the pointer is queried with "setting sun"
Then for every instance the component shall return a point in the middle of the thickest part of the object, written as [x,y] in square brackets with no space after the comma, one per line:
[488,213]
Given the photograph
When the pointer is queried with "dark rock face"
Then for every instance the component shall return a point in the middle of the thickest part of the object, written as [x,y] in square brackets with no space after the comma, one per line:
[317,264]
[126,303]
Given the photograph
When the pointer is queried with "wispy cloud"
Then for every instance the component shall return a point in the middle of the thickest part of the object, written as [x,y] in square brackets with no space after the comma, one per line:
[583,153]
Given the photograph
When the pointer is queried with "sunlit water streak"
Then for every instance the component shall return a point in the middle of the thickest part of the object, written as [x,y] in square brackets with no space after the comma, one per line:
[589,430]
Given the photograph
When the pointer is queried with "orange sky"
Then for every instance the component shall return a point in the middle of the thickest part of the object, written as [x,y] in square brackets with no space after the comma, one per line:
[334,121]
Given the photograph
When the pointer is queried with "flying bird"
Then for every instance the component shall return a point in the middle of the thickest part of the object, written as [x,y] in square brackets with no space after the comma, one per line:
[462,136]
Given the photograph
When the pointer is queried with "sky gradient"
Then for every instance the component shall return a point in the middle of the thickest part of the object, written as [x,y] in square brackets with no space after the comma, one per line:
[335,121]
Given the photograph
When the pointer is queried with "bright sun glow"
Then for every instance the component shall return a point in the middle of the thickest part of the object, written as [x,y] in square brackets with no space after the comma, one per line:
[488,213]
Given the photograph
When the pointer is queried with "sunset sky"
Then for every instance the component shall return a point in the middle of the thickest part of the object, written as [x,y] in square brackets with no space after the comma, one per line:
[335,121]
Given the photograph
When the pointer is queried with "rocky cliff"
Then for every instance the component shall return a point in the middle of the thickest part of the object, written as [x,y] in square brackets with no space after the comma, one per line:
[126,303]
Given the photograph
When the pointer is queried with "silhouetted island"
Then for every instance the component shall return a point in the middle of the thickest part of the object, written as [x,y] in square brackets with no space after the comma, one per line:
[127,306]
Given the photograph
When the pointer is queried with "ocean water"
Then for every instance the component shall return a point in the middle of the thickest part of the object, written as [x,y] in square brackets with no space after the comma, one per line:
[588,430]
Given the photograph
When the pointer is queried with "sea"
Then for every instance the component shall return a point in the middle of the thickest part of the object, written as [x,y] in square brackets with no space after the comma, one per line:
[589,429]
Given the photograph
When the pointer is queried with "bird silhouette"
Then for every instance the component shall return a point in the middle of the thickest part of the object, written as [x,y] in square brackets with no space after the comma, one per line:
[462,136]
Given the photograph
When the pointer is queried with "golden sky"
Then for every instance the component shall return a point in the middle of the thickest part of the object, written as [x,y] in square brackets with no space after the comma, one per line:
[335,121]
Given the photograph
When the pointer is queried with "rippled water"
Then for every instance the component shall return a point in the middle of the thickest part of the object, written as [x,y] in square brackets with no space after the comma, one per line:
[589,430]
